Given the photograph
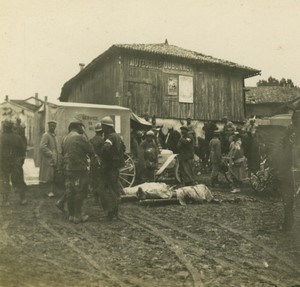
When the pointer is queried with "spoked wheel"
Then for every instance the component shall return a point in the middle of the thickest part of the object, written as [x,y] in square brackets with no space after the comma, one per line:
[127,173]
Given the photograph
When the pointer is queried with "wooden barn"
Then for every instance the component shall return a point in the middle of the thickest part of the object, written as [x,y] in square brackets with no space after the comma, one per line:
[162,80]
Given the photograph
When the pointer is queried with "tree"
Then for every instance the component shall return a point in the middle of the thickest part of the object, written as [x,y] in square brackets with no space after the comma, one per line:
[274,82]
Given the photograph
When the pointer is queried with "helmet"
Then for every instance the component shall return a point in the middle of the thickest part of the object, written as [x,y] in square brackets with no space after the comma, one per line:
[107,121]
[76,122]
[150,133]
[98,127]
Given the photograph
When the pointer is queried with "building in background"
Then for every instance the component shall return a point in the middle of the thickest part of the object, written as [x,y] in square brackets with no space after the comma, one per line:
[267,101]
[163,80]
[23,109]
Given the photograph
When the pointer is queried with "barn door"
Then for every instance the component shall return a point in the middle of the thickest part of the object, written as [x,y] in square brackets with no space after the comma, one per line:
[141,99]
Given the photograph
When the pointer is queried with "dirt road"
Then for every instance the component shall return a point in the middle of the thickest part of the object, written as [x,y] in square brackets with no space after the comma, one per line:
[234,243]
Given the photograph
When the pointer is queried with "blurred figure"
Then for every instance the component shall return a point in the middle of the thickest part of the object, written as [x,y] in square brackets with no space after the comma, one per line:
[208,128]
[137,153]
[150,156]
[48,158]
[12,155]
[285,161]
[20,130]
[237,162]
[215,157]
[186,157]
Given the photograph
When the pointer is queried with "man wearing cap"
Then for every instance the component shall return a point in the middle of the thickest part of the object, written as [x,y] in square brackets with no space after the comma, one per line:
[149,156]
[186,157]
[77,149]
[215,157]
[112,156]
[12,154]
[48,158]
[95,180]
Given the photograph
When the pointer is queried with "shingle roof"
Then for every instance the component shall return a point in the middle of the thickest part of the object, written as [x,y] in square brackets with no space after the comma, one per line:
[174,51]
[271,94]
[163,49]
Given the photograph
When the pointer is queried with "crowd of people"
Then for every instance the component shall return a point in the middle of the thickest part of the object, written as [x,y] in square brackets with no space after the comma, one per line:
[240,145]
[94,164]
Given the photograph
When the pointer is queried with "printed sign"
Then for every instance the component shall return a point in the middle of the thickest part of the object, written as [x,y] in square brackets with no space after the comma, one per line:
[173,86]
[185,89]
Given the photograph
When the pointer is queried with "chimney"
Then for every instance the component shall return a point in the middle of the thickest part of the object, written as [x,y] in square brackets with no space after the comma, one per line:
[36,98]
[6,98]
[81,66]
[46,99]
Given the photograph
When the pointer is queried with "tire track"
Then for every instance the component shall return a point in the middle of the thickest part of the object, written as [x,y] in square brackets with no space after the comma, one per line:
[72,246]
[174,247]
[266,249]
[28,253]
[154,220]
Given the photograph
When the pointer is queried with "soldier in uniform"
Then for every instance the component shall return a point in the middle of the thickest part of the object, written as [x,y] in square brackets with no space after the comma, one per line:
[49,158]
[112,157]
[95,179]
[186,156]
[12,155]
[77,148]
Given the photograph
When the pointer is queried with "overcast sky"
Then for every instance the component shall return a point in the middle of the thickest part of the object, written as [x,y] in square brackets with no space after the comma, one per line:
[42,42]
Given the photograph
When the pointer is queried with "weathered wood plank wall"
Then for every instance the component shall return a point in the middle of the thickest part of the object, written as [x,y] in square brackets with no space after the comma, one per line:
[217,92]
[143,87]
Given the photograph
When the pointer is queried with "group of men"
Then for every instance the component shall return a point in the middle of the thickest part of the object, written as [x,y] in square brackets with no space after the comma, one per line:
[84,163]
[96,162]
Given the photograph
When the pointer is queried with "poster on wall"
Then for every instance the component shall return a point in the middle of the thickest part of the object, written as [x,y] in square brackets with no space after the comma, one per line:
[172,85]
[185,89]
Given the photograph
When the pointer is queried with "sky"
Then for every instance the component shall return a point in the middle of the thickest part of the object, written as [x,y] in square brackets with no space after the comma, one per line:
[43,41]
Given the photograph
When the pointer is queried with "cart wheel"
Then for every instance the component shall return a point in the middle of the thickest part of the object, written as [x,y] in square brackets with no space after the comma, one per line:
[177,171]
[127,173]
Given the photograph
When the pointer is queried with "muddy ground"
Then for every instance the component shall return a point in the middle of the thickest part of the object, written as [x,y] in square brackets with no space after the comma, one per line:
[236,242]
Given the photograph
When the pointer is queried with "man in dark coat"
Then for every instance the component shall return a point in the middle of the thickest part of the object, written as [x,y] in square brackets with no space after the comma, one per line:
[186,157]
[285,161]
[78,149]
[12,155]
[150,153]
[95,179]
[215,157]
[112,159]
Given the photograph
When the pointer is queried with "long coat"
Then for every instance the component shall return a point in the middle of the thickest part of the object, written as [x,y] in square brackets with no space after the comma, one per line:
[48,157]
